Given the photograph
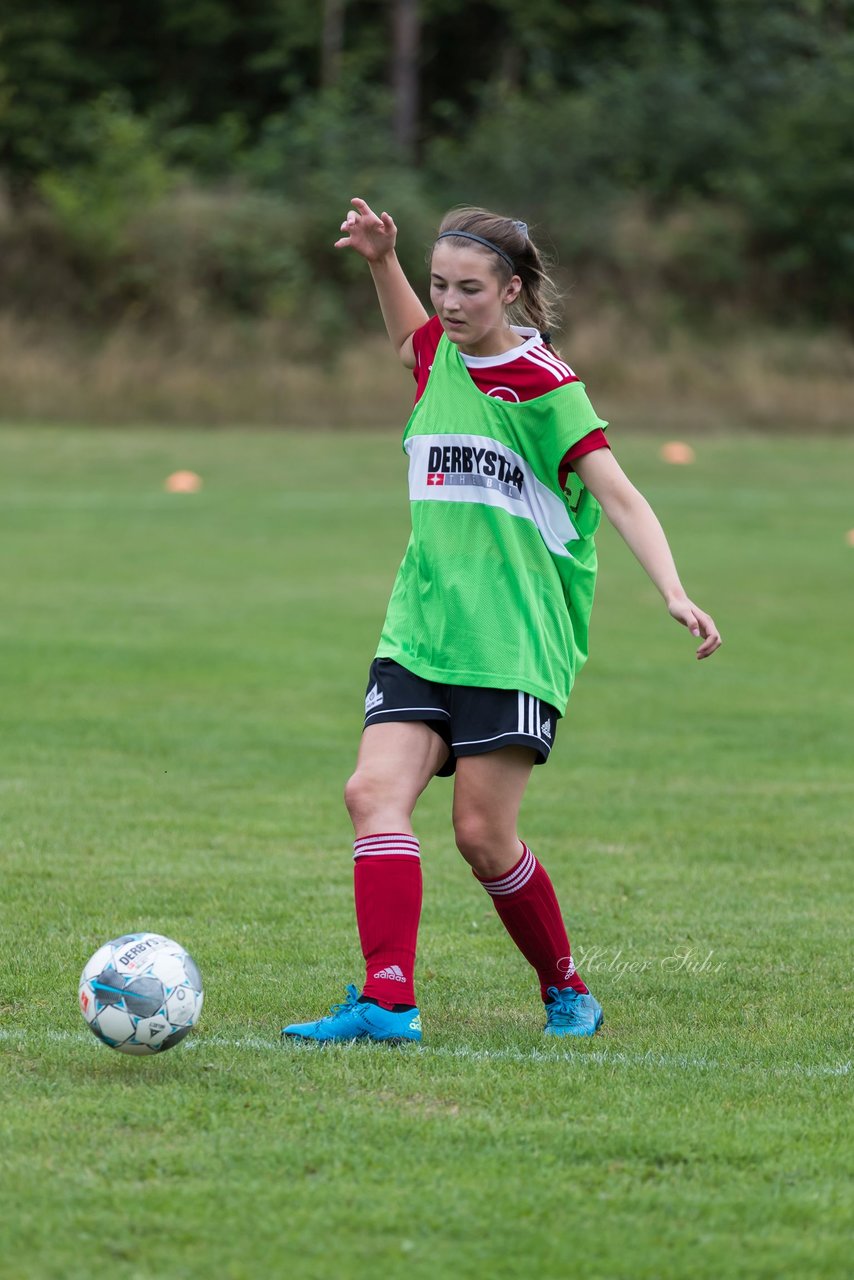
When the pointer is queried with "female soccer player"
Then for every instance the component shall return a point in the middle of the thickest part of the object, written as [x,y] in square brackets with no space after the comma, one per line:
[487,625]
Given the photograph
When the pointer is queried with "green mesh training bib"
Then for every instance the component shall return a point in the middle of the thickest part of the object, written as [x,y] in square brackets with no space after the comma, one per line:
[496,585]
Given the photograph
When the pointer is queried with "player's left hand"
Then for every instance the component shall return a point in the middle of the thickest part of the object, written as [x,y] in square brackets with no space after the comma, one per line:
[698,623]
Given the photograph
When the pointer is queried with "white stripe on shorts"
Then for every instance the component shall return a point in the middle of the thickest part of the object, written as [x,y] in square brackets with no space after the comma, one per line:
[477,742]
[393,711]
[529,722]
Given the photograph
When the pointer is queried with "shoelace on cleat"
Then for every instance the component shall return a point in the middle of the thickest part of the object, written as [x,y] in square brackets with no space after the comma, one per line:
[346,1006]
[561,1008]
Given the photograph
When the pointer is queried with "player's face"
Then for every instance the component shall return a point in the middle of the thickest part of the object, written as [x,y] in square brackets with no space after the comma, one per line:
[471,300]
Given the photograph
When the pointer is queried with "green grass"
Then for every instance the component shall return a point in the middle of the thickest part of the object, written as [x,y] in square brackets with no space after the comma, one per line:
[181,683]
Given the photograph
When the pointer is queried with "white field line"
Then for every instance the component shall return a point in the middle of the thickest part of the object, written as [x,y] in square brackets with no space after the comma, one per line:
[581,1057]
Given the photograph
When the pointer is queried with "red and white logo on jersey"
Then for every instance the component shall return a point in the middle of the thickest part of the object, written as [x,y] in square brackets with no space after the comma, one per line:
[435,477]
[504,393]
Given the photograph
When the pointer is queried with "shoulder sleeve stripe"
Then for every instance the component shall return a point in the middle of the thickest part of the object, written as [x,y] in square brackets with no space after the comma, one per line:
[556,360]
[559,371]
[543,364]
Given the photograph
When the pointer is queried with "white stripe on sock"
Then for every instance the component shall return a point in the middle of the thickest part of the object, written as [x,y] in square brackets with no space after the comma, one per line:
[514,880]
[511,875]
[518,883]
[371,846]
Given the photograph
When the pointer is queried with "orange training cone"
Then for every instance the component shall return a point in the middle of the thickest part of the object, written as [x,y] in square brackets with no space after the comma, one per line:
[677,453]
[183,482]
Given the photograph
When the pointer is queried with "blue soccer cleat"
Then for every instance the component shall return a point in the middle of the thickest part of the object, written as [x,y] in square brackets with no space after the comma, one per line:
[354,1021]
[572,1013]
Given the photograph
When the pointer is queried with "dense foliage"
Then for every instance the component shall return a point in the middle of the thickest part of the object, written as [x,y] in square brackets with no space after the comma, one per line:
[205,150]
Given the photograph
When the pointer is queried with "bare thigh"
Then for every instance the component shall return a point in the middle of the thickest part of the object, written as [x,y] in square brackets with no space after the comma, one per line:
[394,765]
[488,792]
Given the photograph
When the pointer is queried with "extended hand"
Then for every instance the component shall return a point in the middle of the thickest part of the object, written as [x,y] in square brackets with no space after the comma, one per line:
[370,234]
[698,623]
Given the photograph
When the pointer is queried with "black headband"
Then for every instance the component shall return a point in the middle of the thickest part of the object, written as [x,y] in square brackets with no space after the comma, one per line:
[470,235]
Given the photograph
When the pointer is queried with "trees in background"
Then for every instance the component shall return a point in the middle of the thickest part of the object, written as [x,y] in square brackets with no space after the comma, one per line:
[707,142]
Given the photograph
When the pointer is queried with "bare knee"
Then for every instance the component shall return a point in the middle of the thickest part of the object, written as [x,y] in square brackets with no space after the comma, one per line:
[489,850]
[361,792]
[375,803]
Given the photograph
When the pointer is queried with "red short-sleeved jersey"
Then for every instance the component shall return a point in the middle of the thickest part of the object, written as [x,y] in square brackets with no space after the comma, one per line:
[525,372]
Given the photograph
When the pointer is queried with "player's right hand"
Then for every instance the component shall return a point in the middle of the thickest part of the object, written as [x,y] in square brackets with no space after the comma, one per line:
[370,234]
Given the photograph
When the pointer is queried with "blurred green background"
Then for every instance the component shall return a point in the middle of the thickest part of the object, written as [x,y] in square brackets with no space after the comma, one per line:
[172,178]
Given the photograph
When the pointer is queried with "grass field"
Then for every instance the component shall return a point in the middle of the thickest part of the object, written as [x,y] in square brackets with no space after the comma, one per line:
[181,684]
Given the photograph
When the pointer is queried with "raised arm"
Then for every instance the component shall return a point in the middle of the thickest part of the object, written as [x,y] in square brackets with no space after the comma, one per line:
[373,236]
[636,522]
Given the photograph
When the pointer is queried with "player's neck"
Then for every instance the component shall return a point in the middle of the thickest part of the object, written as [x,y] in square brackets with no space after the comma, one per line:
[493,343]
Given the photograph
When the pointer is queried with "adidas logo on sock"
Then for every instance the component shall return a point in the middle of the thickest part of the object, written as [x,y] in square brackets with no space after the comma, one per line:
[394,973]
[374,699]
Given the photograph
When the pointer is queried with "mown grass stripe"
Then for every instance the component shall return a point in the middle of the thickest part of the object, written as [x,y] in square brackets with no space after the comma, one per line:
[585,1057]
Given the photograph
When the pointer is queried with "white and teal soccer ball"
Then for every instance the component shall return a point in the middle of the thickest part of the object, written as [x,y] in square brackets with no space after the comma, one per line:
[141,993]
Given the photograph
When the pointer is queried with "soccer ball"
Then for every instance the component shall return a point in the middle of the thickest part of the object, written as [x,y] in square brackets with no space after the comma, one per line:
[141,993]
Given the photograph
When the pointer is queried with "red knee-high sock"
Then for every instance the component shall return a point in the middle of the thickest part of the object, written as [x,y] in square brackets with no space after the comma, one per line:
[527,904]
[387,884]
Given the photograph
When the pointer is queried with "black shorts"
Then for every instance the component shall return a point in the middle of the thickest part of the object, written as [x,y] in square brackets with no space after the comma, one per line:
[470,720]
